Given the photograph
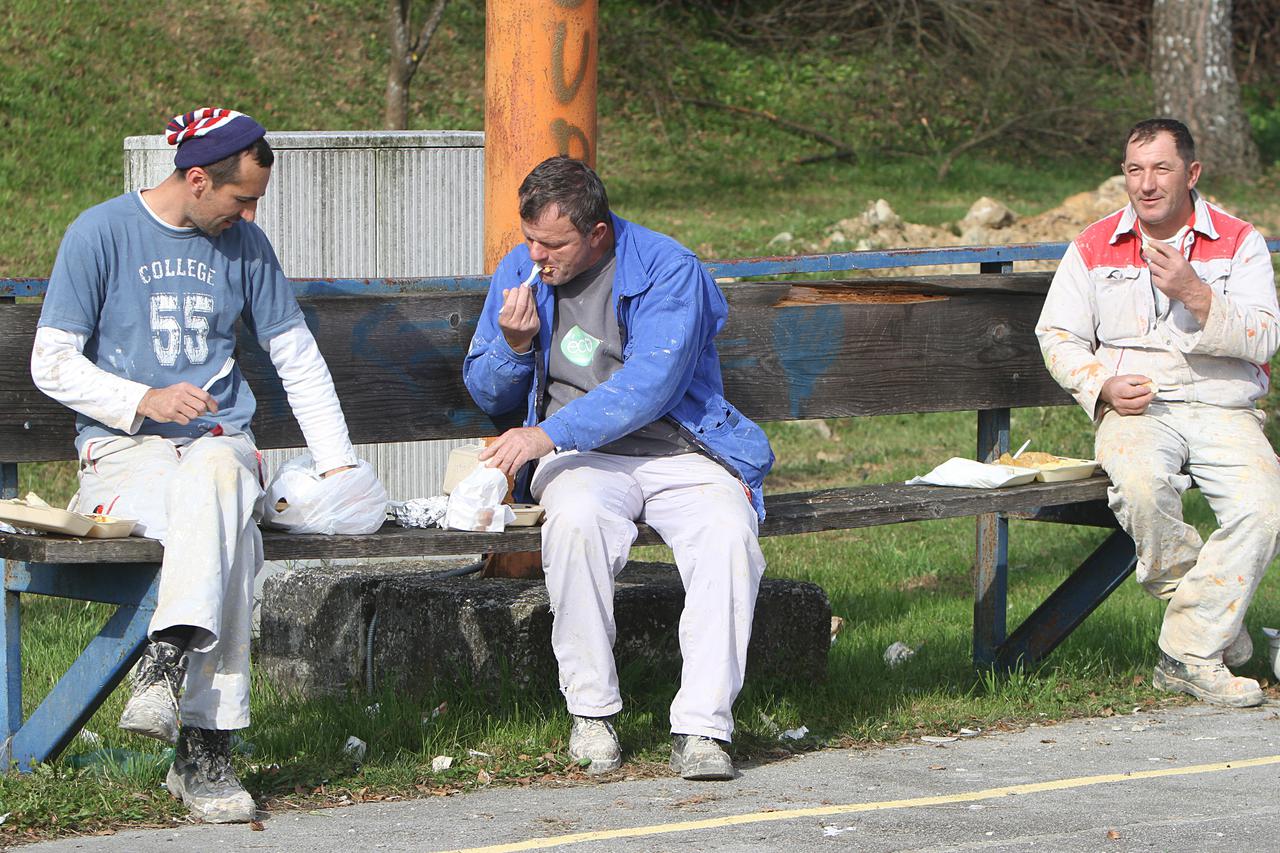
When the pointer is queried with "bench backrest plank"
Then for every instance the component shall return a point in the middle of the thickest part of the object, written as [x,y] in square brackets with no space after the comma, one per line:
[790,350]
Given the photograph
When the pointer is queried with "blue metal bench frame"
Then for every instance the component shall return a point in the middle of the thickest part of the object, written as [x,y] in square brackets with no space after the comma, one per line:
[133,587]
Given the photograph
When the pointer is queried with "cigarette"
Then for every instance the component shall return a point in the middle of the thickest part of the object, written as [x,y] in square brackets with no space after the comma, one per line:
[532,275]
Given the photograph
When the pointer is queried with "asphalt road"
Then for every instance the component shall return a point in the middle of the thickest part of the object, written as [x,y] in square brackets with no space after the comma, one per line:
[1192,778]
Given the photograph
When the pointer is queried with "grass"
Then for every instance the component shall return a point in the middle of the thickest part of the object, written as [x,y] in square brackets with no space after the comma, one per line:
[908,583]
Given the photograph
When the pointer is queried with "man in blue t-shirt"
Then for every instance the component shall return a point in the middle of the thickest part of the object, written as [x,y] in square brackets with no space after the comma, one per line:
[137,335]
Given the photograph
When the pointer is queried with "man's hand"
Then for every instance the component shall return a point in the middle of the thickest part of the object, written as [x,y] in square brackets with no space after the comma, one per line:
[518,318]
[515,447]
[1129,394]
[181,404]
[1175,278]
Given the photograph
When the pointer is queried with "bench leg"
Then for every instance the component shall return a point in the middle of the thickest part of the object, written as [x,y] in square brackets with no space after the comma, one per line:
[11,678]
[1068,605]
[99,668]
[991,564]
[991,588]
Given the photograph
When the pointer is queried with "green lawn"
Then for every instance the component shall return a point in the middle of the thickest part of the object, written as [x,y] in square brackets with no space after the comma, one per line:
[908,583]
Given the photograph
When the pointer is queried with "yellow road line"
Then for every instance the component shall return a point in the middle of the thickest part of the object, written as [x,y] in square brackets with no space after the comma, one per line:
[852,808]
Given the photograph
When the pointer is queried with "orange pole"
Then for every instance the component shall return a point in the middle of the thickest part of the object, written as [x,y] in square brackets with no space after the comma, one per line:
[540,100]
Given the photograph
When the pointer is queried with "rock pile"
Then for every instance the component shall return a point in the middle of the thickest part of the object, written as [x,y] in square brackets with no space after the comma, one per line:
[988,222]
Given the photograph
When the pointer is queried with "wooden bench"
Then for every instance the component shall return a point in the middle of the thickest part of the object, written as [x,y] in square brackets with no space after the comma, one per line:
[792,350]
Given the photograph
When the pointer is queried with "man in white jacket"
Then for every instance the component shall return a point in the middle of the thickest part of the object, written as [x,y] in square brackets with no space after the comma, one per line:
[136,335]
[1161,320]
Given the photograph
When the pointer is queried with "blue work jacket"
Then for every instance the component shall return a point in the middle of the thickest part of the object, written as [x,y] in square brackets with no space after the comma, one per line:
[669,312]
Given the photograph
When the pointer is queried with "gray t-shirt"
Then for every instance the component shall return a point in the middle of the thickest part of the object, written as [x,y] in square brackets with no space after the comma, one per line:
[586,349]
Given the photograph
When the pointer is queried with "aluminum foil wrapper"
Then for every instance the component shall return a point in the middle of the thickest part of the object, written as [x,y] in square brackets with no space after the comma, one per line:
[420,512]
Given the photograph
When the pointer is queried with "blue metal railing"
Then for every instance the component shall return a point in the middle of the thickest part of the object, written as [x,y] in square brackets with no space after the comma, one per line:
[729,268]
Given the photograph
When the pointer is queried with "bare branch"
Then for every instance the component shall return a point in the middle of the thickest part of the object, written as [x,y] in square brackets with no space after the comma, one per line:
[843,150]
[974,141]
[429,27]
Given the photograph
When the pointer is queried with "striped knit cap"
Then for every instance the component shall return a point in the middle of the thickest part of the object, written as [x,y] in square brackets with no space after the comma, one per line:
[210,134]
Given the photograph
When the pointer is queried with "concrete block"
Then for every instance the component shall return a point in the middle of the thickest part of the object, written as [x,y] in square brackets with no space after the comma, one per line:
[403,626]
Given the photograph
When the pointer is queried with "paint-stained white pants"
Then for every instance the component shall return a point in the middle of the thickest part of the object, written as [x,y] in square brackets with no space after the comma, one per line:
[1152,459]
[593,501]
[200,500]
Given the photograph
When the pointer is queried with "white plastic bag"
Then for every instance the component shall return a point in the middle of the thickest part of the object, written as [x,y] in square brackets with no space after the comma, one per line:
[958,471]
[299,500]
[476,502]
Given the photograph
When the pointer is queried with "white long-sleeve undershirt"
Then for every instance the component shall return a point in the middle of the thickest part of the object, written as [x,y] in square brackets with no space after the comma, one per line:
[60,369]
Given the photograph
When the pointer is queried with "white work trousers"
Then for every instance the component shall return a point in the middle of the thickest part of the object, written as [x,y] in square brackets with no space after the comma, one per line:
[1152,459]
[200,500]
[593,501]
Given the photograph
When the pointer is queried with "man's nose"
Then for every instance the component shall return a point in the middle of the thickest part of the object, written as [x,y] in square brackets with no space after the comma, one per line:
[1149,185]
[537,252]
[249,211]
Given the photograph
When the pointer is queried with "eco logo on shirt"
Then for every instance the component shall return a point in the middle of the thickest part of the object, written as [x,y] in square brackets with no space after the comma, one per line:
[578,346]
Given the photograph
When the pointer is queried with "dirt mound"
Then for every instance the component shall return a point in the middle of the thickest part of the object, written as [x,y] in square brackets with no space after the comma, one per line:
[988,223]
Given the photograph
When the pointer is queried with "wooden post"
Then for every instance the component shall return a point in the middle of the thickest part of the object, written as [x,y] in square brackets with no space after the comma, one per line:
[540,100]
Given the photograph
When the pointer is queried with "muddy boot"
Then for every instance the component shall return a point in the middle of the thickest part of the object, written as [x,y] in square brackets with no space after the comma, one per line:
[201,776]
[1209,682]
[152,710]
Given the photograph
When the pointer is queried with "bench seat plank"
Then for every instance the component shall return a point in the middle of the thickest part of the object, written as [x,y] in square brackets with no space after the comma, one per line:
[787,513]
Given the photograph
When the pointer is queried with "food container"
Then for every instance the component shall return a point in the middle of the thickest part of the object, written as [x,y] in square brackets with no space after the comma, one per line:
[1064,468]
[972,474]
[110,527]
[1018,476]
[527,515]
[462,461]
[49,519]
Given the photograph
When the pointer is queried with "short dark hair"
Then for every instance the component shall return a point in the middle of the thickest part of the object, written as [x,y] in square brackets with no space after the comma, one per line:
[227,170]
[1145,131]
[571,185]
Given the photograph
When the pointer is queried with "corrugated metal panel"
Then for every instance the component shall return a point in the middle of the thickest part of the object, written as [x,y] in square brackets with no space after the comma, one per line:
[319,212]
[365,205]
[431,218]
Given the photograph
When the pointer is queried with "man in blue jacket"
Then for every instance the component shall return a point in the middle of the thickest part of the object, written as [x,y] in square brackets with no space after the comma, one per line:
[602,332]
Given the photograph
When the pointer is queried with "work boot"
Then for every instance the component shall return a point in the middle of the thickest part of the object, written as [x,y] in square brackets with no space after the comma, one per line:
[698,757]
[1210,682]
[593,738]
[201,776]
[152,710]
[1240,652]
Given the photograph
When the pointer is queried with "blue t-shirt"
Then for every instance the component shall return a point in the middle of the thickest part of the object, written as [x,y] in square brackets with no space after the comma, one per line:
[159,306]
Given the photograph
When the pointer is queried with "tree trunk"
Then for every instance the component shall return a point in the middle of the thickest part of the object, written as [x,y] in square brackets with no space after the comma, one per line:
[404,55]
[396,116]
[1195,82]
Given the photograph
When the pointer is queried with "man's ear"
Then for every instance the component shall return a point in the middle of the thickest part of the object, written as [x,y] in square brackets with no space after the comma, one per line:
[1193,174]
[597,234]
[197,180]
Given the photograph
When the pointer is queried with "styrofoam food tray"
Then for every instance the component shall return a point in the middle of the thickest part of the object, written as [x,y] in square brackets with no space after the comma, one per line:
[110,527]
[1066,469]
[527,515]
[1020,478]
[462,461]
[46,518]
